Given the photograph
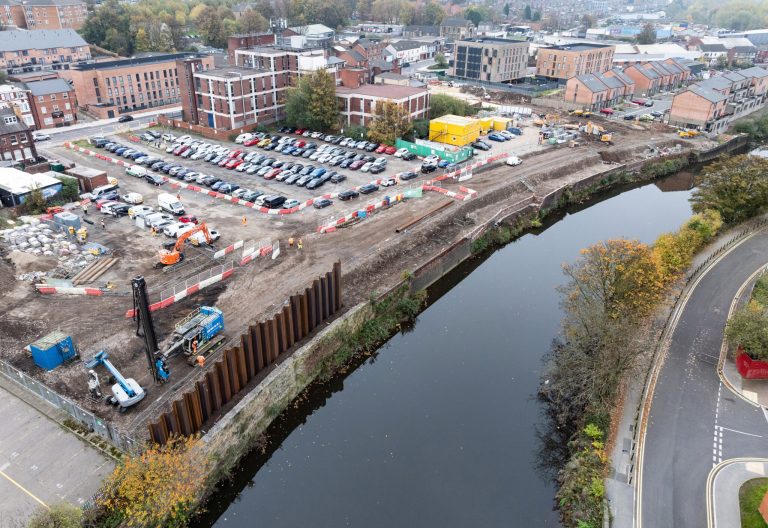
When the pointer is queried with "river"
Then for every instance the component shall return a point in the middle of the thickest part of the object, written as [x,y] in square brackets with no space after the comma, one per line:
[438,428]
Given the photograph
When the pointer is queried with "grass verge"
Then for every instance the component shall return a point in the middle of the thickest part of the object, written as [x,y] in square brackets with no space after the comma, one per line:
[750,496]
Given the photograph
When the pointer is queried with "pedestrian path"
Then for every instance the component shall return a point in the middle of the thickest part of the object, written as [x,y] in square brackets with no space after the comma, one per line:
[723,487]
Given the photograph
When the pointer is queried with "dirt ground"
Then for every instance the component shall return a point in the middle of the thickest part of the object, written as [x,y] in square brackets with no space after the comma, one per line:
[372,254]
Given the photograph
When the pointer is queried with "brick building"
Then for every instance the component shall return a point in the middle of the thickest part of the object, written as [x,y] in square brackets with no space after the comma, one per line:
[41,49]
[489,59]
[252,40]
[44,14]
[16,97]
[572,60]
[457,29]
[53,103]
[106,89]
[16,142]
[358,104]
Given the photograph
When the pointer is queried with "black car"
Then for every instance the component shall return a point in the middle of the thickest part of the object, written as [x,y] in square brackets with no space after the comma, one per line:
[119,210]
[346,163]
[370,147]
[125,118]
[429,167]
[368,188]
[629,117]
[338,178]
[376,169]
[99,142]
[324,202]
[408,156]
[211,181]
[156,166]
[404,176]
[481,145]
[656,113]
[155,179]
[348,195]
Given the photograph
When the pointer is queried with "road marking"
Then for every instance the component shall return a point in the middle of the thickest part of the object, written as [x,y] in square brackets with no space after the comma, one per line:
[717,445]
[740,432]
[22,488]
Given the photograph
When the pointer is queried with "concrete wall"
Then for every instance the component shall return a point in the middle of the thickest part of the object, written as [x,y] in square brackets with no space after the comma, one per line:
[441,264]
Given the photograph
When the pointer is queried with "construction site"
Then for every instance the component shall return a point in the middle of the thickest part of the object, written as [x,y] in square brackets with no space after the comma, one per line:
[131,319]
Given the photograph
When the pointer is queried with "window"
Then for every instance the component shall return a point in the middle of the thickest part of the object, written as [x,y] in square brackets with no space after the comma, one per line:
[65,96]
[48,120]
[24,138]
[40,98]
[53,97]
[43,110]
[55,108]
[67,106]
[14,141]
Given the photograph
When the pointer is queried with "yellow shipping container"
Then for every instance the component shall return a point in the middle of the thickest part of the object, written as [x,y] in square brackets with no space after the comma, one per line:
[454,130]
[486,124]
[501,123]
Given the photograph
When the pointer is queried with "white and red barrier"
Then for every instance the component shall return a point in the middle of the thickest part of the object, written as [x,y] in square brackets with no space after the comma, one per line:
[69,290]
[371,207]
[264,249]
[229,249]
[186,292]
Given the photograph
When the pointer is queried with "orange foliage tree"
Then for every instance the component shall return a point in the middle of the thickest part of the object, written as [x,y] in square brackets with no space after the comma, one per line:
[157,488]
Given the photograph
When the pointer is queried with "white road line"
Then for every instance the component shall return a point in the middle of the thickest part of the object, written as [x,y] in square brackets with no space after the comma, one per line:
[740,432]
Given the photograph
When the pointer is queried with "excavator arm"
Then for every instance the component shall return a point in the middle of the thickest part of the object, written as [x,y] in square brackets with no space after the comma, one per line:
[174,256]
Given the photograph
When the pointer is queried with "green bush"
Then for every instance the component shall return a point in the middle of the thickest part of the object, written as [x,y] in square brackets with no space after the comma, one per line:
[62,515]
[748,327]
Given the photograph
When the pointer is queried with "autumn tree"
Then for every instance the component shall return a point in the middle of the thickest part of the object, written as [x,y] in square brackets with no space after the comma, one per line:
[390,122]
[647,35]
[252,21]
[158,487]
[674,251]
[748,327]
[62,515]
[433,14]
[211,25]
[736,187]
[313,103]
[387,11]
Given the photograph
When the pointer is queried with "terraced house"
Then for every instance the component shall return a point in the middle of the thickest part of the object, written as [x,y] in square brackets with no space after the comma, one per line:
[56,49]
[44,14]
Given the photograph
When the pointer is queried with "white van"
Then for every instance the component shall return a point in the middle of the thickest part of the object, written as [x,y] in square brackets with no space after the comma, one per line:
[136,170]
[98,192]
[170,203]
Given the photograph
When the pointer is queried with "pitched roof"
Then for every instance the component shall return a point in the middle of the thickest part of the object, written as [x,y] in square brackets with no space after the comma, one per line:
[716,83]
[710,95]
[755,71]
[623,77]
[402,45]
[610,82]
[11,128]
[334,60]
[712,47]
[50,86]
[734,76]
[382,65]
[18,39]
[592,82]
[311,30]
[354,54]
[456,22]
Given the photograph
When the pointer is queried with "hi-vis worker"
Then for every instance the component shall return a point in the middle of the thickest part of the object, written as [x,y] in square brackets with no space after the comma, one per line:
[71,231]
[200,361]
[244,220]
[290,242]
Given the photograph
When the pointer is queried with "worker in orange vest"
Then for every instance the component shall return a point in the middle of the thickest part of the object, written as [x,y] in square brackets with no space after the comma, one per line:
[290,242]
[244,220]
[200,361]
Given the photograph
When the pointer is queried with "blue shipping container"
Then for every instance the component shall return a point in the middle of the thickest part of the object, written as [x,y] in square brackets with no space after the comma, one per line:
[52,350]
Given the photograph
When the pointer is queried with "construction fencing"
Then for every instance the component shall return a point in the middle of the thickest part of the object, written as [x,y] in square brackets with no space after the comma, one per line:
[258,349]
[181,289]
[92,422]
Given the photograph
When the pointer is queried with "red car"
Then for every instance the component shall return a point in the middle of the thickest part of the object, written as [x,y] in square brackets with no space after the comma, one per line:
[606,111]
[188,219]
[356,164]
[300,131]
[272,174]
[300,143]
[381,148]
[234,154]
[234,163]
[99,203]
[251,142]
[390,150]
[180,149]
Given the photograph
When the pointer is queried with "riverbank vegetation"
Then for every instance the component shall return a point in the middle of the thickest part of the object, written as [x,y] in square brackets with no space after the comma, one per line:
[612,290]
[748,326]
[736,187]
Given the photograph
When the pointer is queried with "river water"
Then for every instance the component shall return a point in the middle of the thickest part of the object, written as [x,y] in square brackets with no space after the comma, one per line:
[438,428]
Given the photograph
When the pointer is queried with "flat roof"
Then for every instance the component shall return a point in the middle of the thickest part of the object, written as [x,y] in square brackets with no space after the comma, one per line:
[19,182]
[232,72]
[492,40]
[137,61]
[384,91]
[451,119]
[578,46]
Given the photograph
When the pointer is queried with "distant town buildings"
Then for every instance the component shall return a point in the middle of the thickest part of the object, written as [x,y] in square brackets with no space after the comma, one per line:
[43,14]
[571,60]
[457,29]
[41,49]
[489,59]
[358,105]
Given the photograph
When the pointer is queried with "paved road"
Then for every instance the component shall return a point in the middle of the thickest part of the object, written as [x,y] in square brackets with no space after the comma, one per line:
[695,422]
[416,66]
[41,463]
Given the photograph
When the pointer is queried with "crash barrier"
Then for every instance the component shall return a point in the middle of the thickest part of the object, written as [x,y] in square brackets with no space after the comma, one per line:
[90,421]
[65,290]
[750,368]
[190,286]
[359,213]
[259,348]
[446,192]
[229,249]
[262,250]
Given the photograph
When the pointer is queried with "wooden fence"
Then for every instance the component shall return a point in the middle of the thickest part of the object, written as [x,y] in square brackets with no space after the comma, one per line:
[259,348]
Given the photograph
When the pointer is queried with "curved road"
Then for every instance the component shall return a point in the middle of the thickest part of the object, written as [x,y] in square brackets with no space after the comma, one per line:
[695,421]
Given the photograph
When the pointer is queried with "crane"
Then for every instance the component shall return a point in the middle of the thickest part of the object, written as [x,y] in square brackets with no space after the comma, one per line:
[126,391]
[169,257]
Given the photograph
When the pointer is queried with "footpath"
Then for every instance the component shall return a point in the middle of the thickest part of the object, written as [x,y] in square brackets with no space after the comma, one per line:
[620,485]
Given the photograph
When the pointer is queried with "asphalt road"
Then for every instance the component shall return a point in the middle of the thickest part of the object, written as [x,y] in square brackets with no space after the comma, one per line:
[696,422]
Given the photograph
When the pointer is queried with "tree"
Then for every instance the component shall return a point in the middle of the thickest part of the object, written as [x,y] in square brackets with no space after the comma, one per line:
[252,22]
[536,16]
[674,251]
[748,327]
[434,14]
[588,21]
[387,11]
[61,515]
[647,35]
[210,24]
[477,14]
[35,202]
[441,61]
[506,10]
[158,487]
[442,104]
[736,187]
[391,121]
[109,27]
[70,189]
[527,13]
[313,103]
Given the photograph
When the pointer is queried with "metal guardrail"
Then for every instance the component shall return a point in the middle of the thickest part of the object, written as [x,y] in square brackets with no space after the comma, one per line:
[755,226]
[106,430]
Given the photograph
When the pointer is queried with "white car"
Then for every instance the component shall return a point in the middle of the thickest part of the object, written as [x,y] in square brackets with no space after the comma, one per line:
[507,134]
[176,229]
[106,207]
[401,152]
[388,182]
[168,137]
[367,167]
[242,138]
[132,198]
[173,146]
[185,140]
[39,136]
[434,159]
[513,161]
[140,209]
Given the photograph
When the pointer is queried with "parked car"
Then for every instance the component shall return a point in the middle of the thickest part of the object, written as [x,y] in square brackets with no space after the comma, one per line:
[348,195]
[132,198]
[376,168]
[323,202]
[125,118]
[606,111]
[403,176]
[368,188]
[388,182]
[629,117]
[188,219]
[496,137]
[408,156]
[288,204]
[481,145]
[430,167]
[513,161]
[40,136]
[155,179]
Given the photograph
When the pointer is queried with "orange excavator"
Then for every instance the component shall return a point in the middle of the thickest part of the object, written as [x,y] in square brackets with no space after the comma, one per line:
[174,255]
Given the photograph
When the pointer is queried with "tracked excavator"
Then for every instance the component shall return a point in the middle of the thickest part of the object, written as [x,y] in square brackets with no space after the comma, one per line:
[175,254]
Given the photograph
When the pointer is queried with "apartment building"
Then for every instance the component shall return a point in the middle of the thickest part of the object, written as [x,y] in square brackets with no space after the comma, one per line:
[53,103]
[16,97]
[712,105]
[16,142]
[107,89]
[489,59]
[572,60]
[244,41]
[44,14]
[457,28]
[51,49]
[358,105]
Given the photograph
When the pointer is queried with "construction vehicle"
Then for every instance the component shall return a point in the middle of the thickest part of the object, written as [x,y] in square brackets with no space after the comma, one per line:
[606,138]
[126,392]
[688,133]
[175,254]
[198,334]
